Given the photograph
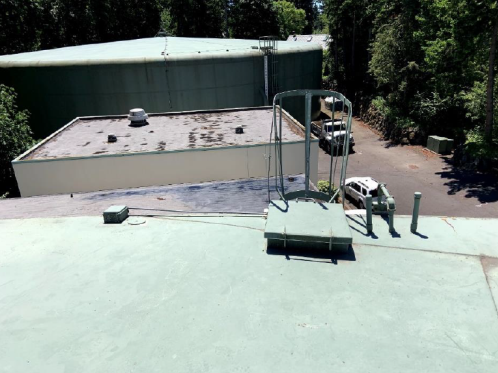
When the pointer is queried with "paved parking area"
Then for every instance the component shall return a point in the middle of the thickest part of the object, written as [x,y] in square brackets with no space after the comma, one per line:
[446,190]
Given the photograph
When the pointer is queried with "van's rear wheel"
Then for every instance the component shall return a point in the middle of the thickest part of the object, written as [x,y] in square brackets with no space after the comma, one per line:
[328,148]
[362,206]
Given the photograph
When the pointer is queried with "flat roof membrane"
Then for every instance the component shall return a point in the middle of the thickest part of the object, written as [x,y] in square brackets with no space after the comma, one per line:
[87,137]
[205,294]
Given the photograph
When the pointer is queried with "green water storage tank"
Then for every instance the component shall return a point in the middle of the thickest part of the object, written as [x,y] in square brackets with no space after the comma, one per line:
[156,74]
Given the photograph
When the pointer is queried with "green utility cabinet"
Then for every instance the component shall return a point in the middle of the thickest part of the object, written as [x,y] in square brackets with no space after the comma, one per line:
[440,145]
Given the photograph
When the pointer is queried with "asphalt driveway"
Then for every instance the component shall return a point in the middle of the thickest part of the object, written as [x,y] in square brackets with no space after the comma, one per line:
[446,190]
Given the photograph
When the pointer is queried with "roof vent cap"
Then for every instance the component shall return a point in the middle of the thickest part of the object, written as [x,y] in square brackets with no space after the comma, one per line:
[239,130]
[138,117]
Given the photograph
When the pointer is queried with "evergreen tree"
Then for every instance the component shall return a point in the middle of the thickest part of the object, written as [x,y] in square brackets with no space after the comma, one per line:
[289,18]
[309,9]
[18,26]
[15,138]
[196,18]
[250,19]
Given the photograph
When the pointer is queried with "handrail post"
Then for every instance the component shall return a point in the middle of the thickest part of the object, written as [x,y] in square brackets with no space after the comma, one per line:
[369,214]
[391,221]
[416,206]
[307,121]
[391,207]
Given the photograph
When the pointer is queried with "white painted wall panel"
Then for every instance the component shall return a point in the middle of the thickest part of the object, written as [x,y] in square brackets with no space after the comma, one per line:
[61,176]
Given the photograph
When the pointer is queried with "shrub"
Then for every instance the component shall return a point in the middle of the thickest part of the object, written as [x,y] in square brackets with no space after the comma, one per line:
[15,138]
[324,186]
[477,147]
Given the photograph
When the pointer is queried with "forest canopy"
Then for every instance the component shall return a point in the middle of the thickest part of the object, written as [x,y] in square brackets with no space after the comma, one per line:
[425,64]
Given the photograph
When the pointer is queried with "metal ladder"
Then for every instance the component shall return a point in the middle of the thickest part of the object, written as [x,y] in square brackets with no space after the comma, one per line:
[268,45]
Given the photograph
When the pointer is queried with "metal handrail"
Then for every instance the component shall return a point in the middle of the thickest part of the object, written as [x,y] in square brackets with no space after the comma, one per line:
[308,95]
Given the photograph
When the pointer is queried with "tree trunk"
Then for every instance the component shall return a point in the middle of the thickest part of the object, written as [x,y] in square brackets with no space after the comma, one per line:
[353,71]
[336,61]
[491,80]
[354,41]
[227,32]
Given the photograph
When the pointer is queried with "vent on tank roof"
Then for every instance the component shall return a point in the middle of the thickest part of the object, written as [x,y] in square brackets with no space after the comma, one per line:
[138,117]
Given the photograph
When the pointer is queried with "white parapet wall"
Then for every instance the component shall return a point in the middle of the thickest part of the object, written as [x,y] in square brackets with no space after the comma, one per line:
[102,172]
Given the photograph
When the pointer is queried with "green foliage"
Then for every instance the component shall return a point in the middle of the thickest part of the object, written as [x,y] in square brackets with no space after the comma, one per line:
[324,187]
[325,68]
[427,60]
[387,54]
[320,24]
[392,114]
[350,23]
[475,102]
[290,19]
[477,146]
[320,21]
[311,10]
[28,25]
[381,105]
[15,137]
[199,18]
[250,19]
[18,25]
[168,23]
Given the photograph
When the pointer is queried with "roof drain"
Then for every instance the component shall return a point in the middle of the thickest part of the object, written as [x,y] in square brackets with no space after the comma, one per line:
[138,117]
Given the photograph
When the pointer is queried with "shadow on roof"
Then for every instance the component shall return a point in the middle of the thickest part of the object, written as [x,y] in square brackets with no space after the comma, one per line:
[316,255]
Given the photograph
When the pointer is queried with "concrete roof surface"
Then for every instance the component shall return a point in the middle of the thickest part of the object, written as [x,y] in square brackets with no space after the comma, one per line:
[148,48]
[165,132]
[204,294]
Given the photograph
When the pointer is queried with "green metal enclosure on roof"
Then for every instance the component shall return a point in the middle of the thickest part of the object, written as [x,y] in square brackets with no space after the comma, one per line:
[158,74]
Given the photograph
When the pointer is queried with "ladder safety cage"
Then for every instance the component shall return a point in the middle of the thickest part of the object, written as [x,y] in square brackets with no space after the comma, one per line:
[268,45]
[342,142]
